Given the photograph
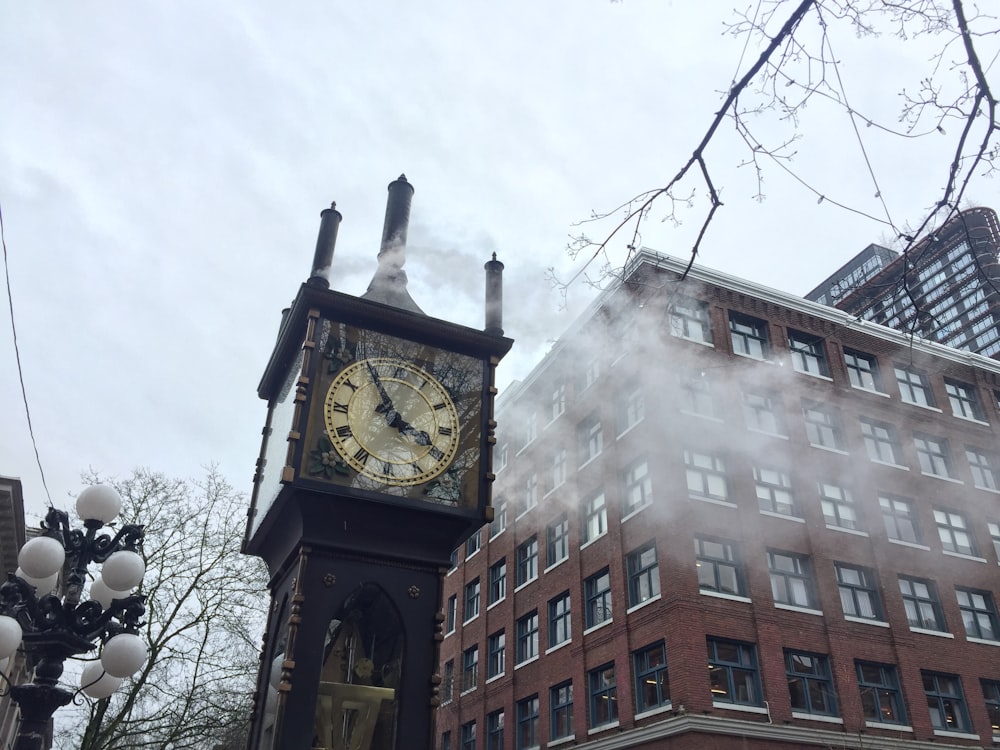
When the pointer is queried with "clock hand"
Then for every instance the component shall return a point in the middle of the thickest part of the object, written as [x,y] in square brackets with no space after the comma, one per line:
[419,436]
[386,406]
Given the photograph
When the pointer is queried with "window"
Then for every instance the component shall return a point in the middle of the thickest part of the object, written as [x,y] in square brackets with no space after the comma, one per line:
[451,612]
[718,567]
[597,590]
[448,683]
[527,723]
[595,520]
[979,614]
[900,519]
[838,506]
[732,672]
[471,600]
[964,400]
[494,730]
[631,407]
[807,351]
[791,579]
[822,427]
[774,493]
[920,600]
[503,457]
[529,497]
[881,699]
[499,522]
[591,372]
[638,487]
[689,320]
[643,574]
[810,685]
[527,637]
[914,388]
[991,695]
[994,529]
[469,736]
[446,740]
[945,702]
[558,468]
[697,396]
[933,455]
[862,370]
[881,442]
[764,413]
[953,532]
[453,559]
[858,592]
[496,652]
[561,708]
[498,581]
[652,683]
[530,429]
[527,561]
[557,541]
[749,336]
[983,467]
[472,543]
[706,475]
[603,695]
[470,668]
[589,439]
[559,620]
[558,400]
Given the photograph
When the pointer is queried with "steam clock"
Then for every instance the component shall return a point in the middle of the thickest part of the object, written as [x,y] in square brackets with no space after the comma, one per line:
[375,464]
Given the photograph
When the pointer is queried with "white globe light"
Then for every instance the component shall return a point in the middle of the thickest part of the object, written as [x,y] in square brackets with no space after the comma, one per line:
[10,635]
[42,586]
[99,502]
[41,557]
[97,683]
[123,655]
[275,677]
[123,570]
[100,593]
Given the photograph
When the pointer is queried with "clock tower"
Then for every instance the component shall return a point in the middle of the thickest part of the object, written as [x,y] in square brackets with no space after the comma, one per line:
[376,463]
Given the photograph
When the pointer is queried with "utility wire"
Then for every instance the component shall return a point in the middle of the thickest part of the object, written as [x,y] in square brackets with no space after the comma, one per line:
[17,356]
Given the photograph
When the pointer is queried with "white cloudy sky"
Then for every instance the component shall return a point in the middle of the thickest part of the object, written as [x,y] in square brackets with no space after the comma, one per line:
[162,169]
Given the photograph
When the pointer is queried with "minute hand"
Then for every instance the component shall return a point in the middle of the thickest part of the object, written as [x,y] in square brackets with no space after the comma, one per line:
[386,405]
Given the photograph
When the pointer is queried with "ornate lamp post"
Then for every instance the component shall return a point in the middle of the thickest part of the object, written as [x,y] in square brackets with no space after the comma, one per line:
[50,622]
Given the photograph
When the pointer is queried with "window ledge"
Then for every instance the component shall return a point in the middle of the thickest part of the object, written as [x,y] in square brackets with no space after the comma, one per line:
[803,610]
[983,641]
[640,605]
[970,419]
[787,517]
[469,557]
[636,512]
[713,501]
[580,468]
[709,344]
[817,717]
[703,416]
[526,662]
[525,512]
[754,359]
[723,595]
[553,420]
[471,619]
[450,632]
[526,583]
[466,692]
[987,489]
[816,375]
[866,621]
[499,532]
[668,706]
[591,541]
[844,530]
[871,390]
[450,571]
[956,735]
[598,626]
[554,488]
[913,545]
[498,601]
[625,432]
[558,646]
[494,678]
[769,434]
[921,406]
[603,727]
[828,449]
[739,707]
[943,479]
[555,565]
[885,725]
[890,465]
[963,556]
[562,740]
[938,633]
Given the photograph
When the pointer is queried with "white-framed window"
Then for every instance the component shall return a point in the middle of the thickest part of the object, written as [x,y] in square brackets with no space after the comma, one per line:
[689,320]
[749,336]
[558,405]
[838,506]
[637,486]
[590,440]
[914,387]
[808,353]
[764,412]
[964,400]
[595,517]
[706,475]
[862,370]
[631,407]
[774,491]
[822,426]
[984,469]
[934,457]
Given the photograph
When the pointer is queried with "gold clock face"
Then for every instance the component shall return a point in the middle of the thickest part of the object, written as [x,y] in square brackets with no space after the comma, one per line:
[392,421]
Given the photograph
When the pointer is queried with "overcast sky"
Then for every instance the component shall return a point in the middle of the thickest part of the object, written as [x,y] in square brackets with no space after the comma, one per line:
[162,170]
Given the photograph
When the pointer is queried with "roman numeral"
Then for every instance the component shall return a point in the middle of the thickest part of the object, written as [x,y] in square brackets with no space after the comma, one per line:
[338,407]
[400,373]
[344,431]
[350,385]
[440,406]
[416,468]
[362,456]
[436,453]
[387,469]
[444,430]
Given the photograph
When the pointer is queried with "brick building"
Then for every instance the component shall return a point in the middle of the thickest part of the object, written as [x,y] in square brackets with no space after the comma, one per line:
[728,517]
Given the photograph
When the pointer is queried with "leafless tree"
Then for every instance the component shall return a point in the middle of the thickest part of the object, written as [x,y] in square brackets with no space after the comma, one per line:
[205,611]
[797,62]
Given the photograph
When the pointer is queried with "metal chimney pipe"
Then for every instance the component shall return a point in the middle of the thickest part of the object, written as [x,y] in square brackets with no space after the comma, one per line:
[329,223]
[494,297]
[397,215]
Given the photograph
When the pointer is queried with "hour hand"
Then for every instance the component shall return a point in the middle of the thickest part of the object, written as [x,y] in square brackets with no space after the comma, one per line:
[419,436]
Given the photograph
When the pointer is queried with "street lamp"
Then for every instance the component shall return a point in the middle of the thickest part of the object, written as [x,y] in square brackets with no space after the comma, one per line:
[52,624]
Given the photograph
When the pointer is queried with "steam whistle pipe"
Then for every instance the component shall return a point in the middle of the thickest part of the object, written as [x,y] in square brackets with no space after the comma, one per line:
[494,297]
[397,214]
[329,224]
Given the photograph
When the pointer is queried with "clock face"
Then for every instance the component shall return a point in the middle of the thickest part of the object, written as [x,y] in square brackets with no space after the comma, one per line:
[392,421]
